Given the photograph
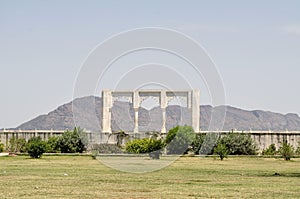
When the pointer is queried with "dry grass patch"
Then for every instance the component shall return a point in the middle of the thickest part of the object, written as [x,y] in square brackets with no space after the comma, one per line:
[188,177]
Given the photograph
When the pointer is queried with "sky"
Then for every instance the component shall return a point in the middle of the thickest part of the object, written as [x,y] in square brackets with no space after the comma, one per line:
[43,44]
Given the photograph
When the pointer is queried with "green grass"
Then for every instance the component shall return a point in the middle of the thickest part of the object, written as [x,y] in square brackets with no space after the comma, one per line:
[188,177]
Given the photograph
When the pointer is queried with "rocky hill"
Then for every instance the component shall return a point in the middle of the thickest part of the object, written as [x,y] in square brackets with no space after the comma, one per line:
[87,113]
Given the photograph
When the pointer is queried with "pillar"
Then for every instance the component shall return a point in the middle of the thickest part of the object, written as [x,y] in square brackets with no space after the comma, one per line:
[196,110]
[106,111]
[163,105]
[136,104]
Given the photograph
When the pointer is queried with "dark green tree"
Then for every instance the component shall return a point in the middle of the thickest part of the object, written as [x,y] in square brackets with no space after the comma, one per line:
[36,147]
[209,143]
[73,141]
[179,139]
[52,145]
[197,143]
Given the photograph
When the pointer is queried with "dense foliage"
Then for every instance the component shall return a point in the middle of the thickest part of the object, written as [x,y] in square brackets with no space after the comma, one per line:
[36,147]
[179,139]
[197,143]
[208,144]
[17,145]
[146,145]
[271,150]
[73,141]
[238,144]
[221,150]
[52,145]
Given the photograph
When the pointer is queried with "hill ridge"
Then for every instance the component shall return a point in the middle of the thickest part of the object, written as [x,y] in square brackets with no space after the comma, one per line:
[88,109]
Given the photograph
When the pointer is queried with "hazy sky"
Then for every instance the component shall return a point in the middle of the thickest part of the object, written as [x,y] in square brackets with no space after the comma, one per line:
[255,45]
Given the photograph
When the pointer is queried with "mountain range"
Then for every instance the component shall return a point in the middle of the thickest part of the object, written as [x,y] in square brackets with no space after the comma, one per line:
[86,112]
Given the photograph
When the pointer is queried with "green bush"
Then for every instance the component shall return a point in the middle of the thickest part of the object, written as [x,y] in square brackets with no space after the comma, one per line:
[73,141]
[271,150]
[171,134]
[52,145]
[197,143]
[221,150]
[146,145]
[209,143]
[17,145]
[239,144]
[179,139]
[286,150]
[36,147]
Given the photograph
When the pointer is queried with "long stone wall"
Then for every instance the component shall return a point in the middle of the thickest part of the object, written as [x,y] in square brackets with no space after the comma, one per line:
[263,139]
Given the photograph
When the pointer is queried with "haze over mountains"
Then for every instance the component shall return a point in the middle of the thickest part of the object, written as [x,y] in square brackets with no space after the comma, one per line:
[88,112]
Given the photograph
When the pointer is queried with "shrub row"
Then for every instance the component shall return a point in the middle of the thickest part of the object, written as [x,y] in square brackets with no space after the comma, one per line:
[70,142]
[286,150]
[182,139]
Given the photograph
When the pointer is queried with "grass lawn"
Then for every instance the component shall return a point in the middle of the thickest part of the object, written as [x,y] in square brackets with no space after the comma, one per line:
[188,177]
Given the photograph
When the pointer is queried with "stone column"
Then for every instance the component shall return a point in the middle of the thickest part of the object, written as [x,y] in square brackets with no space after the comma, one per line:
[136,105]
[106,111]
[196,110]
[163,105]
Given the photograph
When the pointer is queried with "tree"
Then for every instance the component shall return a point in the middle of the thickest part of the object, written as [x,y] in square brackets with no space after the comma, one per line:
[286,150]
[73,141]
[239,144]
[197,143]
[36,147]
[179,139]
[209,143]
[221,150]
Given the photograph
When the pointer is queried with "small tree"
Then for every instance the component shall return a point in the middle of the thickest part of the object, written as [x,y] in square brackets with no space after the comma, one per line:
[17,145]
[73,141]
[221,150]
[179,139]
[286,150]
[36,147]
[271,150]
